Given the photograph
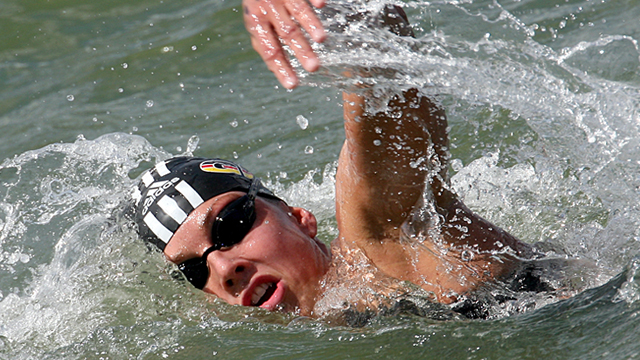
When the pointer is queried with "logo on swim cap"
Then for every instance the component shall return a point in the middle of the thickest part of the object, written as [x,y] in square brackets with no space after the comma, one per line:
[155,190]
[224,167]
[172,189]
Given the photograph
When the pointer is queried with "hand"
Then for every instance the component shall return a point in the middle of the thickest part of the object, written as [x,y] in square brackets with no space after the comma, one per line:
[269,21]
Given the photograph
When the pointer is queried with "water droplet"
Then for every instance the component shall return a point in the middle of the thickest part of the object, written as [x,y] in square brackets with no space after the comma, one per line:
[149,103]
[466,255]
[234,123]
[302,122]
[308,149]
[283,175]
[377,142]
[192,144]
[456,165]
[70,98]
[235,155]
[125,65]
[120,90]
[179,148]
[194,48]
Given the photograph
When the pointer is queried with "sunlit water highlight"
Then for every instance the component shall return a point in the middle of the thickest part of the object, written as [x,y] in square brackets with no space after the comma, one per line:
[542,99]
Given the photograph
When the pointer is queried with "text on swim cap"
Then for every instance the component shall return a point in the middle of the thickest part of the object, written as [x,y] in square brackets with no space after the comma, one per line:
[153,194]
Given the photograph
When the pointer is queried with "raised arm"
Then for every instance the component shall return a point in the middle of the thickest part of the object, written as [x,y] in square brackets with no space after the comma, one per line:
[385,162]
[387,159]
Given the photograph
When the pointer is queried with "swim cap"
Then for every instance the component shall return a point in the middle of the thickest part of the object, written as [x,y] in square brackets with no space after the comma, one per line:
[172,189]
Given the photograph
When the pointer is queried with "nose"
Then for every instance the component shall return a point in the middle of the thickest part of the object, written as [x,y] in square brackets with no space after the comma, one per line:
[232,274]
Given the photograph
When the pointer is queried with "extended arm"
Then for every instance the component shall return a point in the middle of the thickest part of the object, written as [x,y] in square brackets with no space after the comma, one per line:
[386,161]
[384,164]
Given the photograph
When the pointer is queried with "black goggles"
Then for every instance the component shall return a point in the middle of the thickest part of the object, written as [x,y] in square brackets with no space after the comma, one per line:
[229,228]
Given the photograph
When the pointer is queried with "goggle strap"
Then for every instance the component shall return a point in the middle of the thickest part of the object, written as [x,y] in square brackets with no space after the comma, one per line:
[253,189]
[207,252]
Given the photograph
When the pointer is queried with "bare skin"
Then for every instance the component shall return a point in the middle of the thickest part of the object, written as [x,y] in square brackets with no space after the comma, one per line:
[377,188]
[272,23]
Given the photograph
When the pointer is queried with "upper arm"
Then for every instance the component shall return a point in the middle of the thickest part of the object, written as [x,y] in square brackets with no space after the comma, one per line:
[384,163]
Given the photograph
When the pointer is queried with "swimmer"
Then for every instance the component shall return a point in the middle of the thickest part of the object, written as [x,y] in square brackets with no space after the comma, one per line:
[234,238]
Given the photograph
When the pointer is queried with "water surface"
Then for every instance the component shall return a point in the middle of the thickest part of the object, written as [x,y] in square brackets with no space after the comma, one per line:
[543,103]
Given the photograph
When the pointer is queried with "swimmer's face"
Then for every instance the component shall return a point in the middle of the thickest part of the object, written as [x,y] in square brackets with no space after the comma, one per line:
[278,265]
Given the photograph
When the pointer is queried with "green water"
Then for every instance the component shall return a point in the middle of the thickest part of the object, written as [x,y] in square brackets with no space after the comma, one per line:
[543,103]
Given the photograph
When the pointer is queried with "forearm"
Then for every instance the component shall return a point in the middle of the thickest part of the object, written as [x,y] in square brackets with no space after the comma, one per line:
[410,133]
[392,154]
[464,229]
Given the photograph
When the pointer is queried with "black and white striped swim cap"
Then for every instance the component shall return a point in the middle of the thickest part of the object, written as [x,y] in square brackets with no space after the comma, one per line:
[172,189]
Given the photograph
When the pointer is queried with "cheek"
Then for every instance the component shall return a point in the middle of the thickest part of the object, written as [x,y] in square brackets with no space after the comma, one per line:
[280,246]
[305,258]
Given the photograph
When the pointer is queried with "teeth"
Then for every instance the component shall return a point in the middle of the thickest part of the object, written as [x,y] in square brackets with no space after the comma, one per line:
[258,292]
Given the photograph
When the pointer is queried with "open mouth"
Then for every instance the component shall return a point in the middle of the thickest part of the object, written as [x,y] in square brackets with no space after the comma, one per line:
[262,293]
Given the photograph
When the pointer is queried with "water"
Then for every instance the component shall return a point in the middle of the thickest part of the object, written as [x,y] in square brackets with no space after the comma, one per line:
[542,98]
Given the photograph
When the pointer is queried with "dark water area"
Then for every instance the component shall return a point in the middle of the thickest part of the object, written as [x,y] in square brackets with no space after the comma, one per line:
[543,100]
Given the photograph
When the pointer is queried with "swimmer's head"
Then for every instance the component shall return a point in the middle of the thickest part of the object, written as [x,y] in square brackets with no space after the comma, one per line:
[172,189]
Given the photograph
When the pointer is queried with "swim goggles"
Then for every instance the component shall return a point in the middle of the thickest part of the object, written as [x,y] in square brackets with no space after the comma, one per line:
[229,228]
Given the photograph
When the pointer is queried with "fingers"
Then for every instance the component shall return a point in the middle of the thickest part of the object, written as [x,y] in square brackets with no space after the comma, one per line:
[290,32]
[273,22]
[269,48]
[266,43]
[317,3]
[306,17]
